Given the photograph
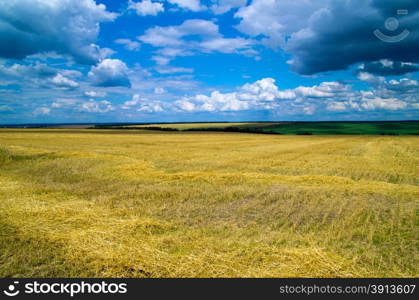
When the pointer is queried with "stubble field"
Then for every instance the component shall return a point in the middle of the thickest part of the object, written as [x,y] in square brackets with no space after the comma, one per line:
[114,203]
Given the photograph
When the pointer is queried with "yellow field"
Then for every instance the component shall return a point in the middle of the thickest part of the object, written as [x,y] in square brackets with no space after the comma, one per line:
[152,204]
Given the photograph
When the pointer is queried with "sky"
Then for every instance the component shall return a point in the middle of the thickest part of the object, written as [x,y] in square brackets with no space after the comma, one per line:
[87,61]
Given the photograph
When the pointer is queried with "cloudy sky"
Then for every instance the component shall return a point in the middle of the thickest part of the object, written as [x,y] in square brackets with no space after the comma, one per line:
[208,60]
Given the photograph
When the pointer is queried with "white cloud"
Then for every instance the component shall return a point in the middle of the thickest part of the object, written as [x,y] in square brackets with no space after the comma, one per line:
[314,32]
[191,37]
[223,6]
[135,100]
[370,78]
[275,20]
[38,75]
[146,7]
[90,106]
[66,27]
[387,63]
[226,45]
[336,106]
[19,71]
[173,70]
[264,90]
[41,111]
[93,106]
[404,83]
[382,103]
[264,94]
[109,73]
[309,109]
[150,108]
[172,35]
[64,103]
[185,105]
[159,91]
[257,95]
[324,90]
[404,90]
[95,94]
[128,44]
[193,5]
[161,60]
[63,82]
[393,95]
[142,104]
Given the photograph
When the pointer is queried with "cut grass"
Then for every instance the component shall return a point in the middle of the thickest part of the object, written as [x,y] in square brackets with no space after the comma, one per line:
[104,203]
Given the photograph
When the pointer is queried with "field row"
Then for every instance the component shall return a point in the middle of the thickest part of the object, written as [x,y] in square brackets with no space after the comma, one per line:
[145,204]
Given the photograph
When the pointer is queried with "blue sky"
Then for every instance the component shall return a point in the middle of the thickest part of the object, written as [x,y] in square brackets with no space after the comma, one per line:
[208,60]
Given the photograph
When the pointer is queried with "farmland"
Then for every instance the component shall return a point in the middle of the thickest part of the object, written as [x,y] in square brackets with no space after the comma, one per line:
[144,203]
[292,128]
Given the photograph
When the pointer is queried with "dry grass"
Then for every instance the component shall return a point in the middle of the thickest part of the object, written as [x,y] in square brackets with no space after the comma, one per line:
[145,204]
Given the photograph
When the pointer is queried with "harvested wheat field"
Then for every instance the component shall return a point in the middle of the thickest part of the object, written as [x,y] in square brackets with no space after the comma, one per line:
[109,203]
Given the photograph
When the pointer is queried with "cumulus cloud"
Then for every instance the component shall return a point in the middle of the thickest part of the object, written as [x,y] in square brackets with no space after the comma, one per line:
[336,106]
[150,108]
[275,20]
[89,106]
[93,106]
[193,5]
[191,37]
[31,70]
[146,7]
[142,104]
[226,45]
[172,35]
[264,90]
[375,103]
[95,94]
[223,6]
[383,95]
[110,73]
[371,79]
[61,81]
[404,85]
[324,90]
[38,75]
[264,94]
[128,44]
[343,35]
[70,28]
[403,88]
[30,74]
[327,35]
[135,100]
[256,95]
[64,103]
[385,67]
